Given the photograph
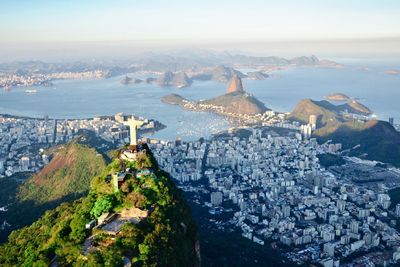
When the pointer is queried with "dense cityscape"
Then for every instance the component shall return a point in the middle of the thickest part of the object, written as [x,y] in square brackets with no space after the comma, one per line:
[266,182]
[23,140]
[253,133]
[8,80]
[274,189]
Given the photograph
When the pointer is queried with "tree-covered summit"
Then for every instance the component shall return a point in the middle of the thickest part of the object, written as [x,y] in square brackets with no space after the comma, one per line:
[133,213]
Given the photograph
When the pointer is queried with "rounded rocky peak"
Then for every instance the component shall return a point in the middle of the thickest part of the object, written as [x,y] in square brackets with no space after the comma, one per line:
[235,85]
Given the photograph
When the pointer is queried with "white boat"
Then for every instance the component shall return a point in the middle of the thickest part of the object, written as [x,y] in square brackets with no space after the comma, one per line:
[31,91]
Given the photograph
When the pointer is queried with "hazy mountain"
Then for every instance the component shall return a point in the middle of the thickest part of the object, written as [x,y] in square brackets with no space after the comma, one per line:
[257,75]
[169,78]
[219,73]
[305,61]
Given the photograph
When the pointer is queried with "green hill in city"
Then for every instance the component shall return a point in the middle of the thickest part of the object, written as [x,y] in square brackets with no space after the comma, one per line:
[373,139]
[68,174]
[67,177]
[133,214]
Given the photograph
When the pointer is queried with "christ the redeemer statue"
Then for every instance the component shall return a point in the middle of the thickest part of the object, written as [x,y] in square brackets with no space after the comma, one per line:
[133,125]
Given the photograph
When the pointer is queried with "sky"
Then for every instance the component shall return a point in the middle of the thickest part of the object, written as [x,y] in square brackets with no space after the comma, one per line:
[29,24]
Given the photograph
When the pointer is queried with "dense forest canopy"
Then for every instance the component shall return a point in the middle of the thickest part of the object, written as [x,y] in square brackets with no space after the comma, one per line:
[166,237]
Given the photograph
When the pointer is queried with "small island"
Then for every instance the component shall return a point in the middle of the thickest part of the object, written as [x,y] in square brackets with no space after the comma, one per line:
[393,72]
[175,99]
[128,80]
[337,97]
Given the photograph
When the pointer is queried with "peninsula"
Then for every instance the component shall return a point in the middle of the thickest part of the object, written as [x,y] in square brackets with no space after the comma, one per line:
[236,103]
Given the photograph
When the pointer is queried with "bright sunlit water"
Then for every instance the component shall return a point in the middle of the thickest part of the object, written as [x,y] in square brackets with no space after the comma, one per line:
[281,92]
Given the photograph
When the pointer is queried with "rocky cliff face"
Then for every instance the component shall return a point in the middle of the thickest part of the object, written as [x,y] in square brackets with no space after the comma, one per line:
[235,85]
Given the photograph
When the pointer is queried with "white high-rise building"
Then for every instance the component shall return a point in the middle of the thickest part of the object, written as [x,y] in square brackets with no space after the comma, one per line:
[312,121]
[24,163]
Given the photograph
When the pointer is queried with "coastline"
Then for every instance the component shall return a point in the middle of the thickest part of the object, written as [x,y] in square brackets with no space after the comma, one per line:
[158,125]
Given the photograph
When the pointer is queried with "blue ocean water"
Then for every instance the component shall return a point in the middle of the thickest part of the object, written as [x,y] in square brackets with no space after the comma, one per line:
[281,92]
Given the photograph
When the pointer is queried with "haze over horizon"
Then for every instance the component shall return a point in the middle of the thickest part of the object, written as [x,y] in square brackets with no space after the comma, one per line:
[43,29]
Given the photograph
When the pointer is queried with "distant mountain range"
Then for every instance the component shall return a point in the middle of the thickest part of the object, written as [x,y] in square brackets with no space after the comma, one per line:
[197,61]
[196,66]
[219,73]
[225,72]
[374,139]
